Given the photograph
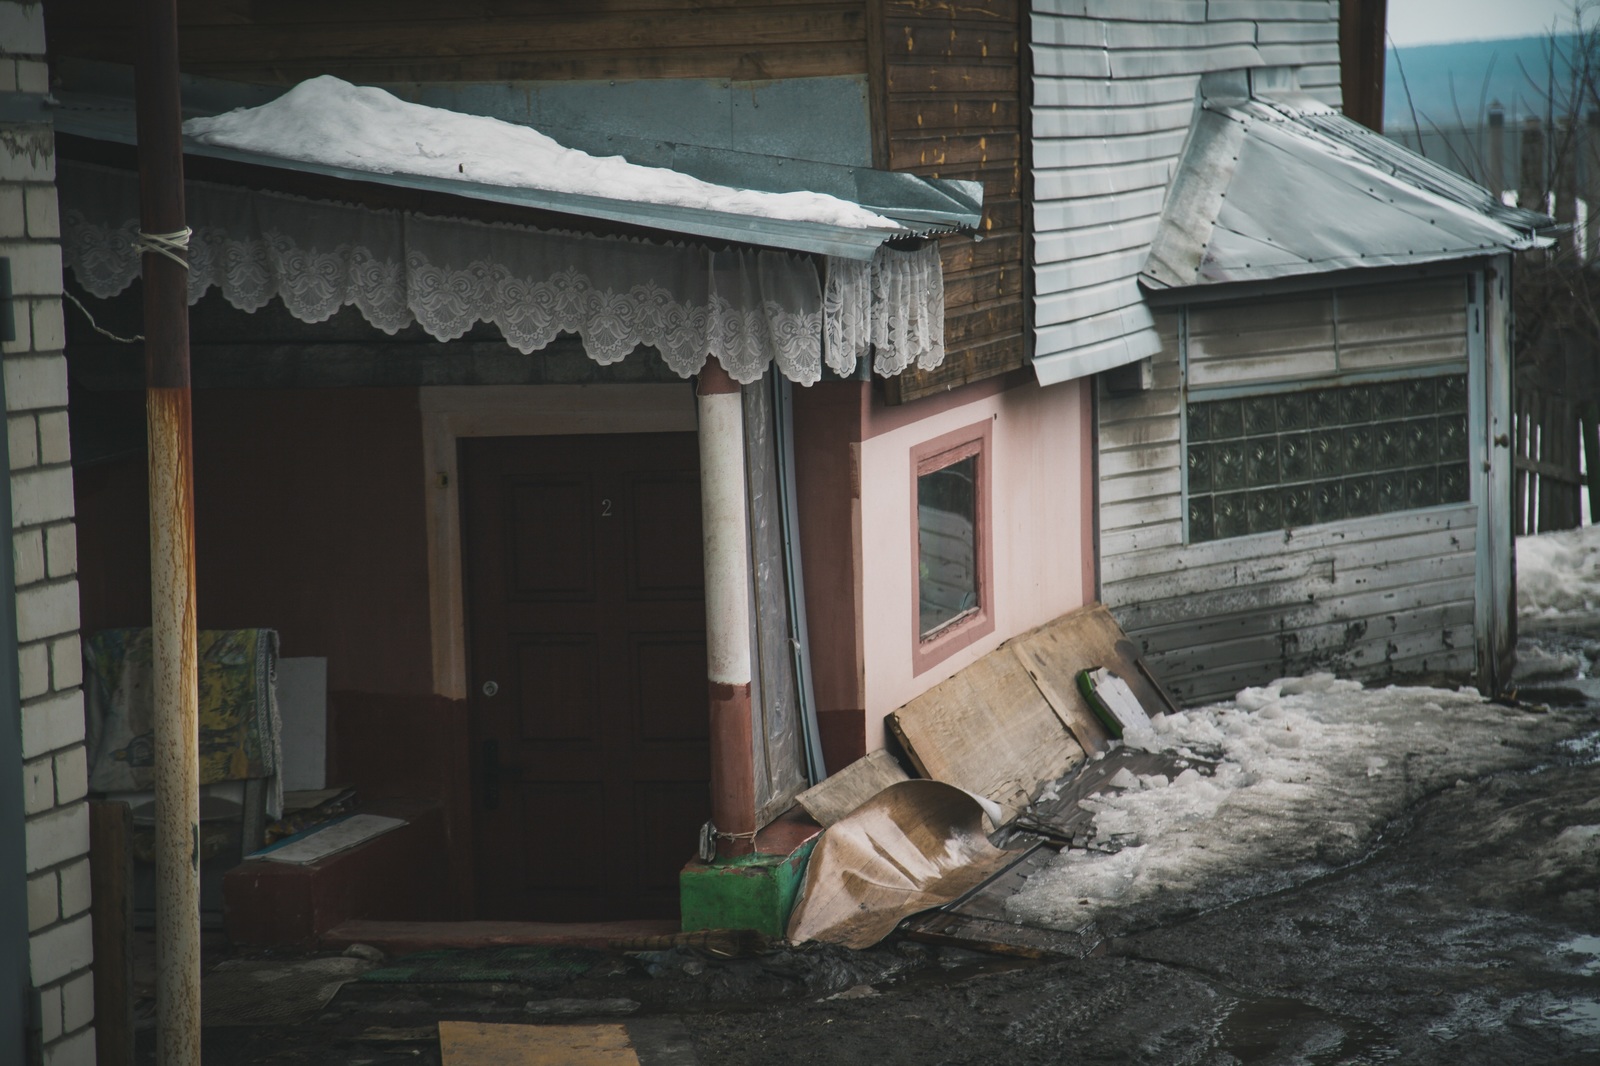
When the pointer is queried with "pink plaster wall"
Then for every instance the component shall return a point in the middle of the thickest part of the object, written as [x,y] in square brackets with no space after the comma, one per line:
[1041,479]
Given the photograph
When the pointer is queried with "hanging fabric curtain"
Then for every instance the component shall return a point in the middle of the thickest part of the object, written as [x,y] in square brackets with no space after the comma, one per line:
[749,308]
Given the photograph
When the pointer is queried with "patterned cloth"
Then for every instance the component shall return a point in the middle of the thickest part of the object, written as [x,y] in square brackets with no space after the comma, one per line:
[239,725]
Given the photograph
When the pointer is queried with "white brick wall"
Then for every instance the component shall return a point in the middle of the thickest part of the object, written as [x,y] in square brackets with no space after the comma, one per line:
[44,545]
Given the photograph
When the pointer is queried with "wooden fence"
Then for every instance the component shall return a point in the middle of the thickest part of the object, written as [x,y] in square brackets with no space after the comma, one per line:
[1551,431]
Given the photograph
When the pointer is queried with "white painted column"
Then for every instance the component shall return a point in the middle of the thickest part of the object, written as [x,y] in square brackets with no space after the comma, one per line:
[726,533]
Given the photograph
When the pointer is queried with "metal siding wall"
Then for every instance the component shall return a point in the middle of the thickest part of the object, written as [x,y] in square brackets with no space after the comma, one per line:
[1374,598]
[1114,86]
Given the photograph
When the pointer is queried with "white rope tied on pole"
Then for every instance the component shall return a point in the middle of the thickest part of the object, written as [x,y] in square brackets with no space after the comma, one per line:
[175,245]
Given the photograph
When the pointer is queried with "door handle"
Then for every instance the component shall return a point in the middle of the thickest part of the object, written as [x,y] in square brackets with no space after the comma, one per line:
[1503,440]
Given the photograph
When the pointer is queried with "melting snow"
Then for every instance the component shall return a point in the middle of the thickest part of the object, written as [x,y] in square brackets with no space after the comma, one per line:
[1559,573]
[329,121]
[1309,772]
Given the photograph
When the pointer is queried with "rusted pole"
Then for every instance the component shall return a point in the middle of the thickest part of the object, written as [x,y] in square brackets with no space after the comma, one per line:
[727,563]
[175,680]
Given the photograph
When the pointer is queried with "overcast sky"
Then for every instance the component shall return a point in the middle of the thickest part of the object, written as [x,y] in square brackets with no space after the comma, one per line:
[1414,22]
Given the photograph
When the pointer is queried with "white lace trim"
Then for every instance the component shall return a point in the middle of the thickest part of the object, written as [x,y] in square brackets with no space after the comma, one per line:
[895,304]
[748,308]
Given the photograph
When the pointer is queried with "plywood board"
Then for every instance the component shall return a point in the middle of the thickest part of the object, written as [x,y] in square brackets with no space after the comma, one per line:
[848,789]
[988,729]
[1083,640]
[492,1044]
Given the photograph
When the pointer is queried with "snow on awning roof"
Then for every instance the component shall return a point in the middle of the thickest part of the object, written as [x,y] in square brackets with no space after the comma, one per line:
[1278,188]
[331,128]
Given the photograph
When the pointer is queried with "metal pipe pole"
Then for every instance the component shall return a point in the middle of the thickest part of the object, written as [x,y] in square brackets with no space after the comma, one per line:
[174,636]
[727,563]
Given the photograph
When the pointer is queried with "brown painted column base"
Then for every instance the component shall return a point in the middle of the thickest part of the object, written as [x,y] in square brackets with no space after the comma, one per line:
[733,784]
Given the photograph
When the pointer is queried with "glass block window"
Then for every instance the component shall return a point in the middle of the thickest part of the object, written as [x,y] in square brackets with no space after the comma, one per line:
[947,544]
[1263,463]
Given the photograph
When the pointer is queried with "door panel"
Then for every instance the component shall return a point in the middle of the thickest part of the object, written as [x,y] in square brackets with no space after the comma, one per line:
[586,621]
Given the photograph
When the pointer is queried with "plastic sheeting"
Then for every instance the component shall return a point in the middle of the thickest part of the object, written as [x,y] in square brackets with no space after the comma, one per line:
[914,846]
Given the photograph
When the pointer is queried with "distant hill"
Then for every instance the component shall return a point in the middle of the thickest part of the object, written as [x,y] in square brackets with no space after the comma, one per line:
[1480,71]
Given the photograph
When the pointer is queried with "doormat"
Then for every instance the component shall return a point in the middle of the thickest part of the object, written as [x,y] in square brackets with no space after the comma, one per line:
[542,967]
[491,1044]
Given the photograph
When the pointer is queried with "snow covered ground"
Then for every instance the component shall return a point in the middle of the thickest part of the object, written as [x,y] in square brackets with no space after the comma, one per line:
[326,120]
[1558,574]
[1309,771]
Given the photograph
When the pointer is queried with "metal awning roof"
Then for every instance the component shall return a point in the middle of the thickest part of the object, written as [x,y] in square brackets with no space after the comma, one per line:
[102,110]
[1286,187]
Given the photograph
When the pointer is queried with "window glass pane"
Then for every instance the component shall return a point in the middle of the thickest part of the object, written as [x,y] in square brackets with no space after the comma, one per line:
[1325,454]
[947,543]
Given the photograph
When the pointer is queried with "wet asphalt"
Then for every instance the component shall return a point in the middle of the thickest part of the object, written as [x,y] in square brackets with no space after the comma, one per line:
[1468,933]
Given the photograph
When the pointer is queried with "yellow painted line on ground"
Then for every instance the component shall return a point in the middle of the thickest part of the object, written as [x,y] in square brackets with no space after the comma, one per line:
[489,1044]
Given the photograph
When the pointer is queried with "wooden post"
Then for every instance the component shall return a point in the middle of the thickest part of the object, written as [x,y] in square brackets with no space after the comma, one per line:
[1591,185]
[1361,59]
[1564,182]
[1495,163]
[1591,457]
[1531,185]
[172,588]
[727,565]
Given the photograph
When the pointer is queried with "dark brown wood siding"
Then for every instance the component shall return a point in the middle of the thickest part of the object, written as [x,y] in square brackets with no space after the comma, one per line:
[951,98]
[286,41]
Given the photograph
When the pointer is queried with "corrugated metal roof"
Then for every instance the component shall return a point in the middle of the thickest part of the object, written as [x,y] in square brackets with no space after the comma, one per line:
[924,206]
[1286,187]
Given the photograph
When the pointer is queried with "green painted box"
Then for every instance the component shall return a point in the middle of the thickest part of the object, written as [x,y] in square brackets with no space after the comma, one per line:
[751,892]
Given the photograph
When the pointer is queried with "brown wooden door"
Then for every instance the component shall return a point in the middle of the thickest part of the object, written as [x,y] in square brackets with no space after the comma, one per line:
[586,615]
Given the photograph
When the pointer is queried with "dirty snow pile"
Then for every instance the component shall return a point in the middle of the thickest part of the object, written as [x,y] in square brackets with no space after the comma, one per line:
[1309,771]
[329,121]
[1559,573]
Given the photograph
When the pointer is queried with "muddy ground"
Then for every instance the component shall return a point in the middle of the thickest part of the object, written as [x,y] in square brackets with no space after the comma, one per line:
[1468,933]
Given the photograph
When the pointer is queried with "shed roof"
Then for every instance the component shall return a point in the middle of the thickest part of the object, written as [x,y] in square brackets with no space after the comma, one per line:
[1287,187]
[922,207]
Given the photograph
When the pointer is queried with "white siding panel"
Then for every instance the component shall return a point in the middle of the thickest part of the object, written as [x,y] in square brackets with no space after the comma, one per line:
[1057,32]
[1100,329]
[1154,64]
[1148,10]
[1322,82]
[1104,120]
[1113,90]
[1108,179]
[1095,240]
[1290,55]
[1066,62]
[1140,207]
[1298,32]
[1268,11]
[1137,36]
[1139,460]
[1066,184]
[1138,433]
[1139,513]
[1066,92]
[1133,486]
[1086,153]
[1119,541]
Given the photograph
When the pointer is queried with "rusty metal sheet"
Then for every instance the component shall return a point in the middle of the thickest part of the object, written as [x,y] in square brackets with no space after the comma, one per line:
[913,846]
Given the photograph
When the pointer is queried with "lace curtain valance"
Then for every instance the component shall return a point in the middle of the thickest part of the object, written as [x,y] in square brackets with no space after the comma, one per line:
[748,308]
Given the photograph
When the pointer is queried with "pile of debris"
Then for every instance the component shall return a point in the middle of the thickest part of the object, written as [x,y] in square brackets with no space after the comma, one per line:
[1005,751]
